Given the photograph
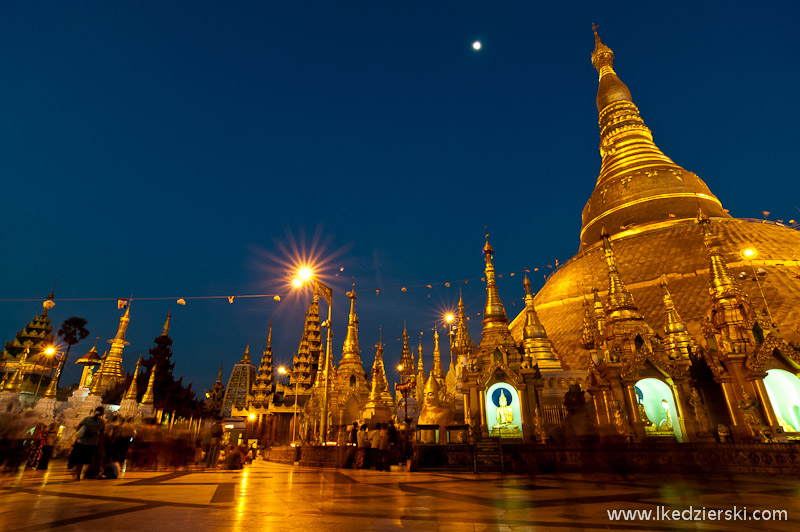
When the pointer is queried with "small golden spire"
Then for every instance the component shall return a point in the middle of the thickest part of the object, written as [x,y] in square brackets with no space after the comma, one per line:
[269,338]
[15,382]
[494,313]
[97,378]
[149,396]
[52,388]
[165,332]
[437,356]
[420,366]
[677,340]
[589,334]
[618,295]
[350,348]
[132,389]
[534,336]
[246,356]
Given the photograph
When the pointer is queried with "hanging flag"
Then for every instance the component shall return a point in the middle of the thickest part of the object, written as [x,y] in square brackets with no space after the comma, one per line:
[377,292]
[276,298]
[447,285]
[404,289]
[122,303]
[230,299]
[182,301]
[429,286]
[512,274]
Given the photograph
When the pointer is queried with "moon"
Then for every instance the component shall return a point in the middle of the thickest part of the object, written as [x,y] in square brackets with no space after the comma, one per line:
[476,45]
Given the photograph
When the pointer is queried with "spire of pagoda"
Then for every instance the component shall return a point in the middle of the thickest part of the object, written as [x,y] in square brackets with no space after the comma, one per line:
[494,313]
[535,341]
[437,357]
[495,334]
[406,358]
[463,346]
[132,392]
[110,373]
[149,394]
[637,184]
[246,356]
[618,298]
[350,348]
[677,340]
[165,332]
[263,384]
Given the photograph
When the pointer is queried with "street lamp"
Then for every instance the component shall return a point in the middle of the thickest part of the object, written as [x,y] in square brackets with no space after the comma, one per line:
[749,254]
[49,351]
[449,319]
[292,374]
[306,275]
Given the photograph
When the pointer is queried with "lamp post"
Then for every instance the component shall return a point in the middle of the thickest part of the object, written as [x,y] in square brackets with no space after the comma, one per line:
[749,254]
[49,351]
[292,375]
[307,275]
[449,319]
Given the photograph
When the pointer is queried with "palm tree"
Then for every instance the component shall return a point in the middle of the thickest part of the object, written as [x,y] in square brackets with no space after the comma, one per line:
[72,331]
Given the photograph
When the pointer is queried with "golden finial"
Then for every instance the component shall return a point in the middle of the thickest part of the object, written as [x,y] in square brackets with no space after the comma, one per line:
[132,389]
[494,313]
[618,295]
[246,356]
[149,396]
[677,340]
[269,337]
[165,332]
[219,375]
[350,348]
[97,378]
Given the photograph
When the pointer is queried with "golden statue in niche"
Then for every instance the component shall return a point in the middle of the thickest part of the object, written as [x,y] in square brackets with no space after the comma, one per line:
[504,416]
[433,411]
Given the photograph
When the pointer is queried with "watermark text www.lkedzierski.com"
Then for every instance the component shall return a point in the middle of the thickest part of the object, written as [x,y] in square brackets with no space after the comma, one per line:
[665,513]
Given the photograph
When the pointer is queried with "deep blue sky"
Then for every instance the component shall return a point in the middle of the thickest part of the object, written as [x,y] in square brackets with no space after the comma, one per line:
[179,148]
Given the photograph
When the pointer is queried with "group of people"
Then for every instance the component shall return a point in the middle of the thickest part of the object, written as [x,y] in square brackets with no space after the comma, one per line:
[25,440]
[101,446]
[378,448]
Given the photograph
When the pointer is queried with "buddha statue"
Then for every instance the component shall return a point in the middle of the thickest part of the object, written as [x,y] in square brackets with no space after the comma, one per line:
[433,411]
[504,415]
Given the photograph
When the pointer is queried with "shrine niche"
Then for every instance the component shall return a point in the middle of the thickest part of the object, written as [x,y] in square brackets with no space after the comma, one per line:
[783,389]
[656,405]
[503,413]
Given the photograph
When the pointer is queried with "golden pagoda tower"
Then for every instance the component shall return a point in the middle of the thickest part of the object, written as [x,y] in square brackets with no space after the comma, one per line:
[129,405]
[437,358]
[537,346]
[677,341]
[376,409]
[263,387]
[213,402]
[88,361]
[350,389]
[419,390]
[240,384]
[110,373]
[406,359]
[463,346]
[496,344]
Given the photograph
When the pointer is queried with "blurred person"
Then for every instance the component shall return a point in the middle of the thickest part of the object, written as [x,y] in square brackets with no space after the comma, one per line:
[233,458]
[212,456]
[362,440]
[85,450]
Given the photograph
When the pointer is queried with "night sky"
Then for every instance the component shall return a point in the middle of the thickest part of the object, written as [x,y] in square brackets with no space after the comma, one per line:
[178,149]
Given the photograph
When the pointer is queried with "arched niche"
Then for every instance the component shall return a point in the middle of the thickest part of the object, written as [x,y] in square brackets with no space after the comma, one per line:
[495,412]
[659,403]
[783,389]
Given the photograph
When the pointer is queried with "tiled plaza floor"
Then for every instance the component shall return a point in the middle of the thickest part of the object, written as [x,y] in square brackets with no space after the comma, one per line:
[267,496]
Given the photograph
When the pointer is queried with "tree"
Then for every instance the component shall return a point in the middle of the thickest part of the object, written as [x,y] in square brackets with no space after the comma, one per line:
[72,331]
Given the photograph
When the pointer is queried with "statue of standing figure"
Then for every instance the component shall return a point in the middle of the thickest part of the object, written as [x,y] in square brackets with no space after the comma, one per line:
[700,412]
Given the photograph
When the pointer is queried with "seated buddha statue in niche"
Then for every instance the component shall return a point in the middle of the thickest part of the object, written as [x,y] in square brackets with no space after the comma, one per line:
[504,414]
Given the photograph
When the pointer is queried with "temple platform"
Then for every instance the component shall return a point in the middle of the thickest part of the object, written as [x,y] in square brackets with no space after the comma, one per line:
[278,497]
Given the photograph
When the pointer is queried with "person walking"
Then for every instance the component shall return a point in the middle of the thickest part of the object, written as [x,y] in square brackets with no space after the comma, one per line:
[374,447]
[212,456]
[384,447]
[85,451]
[362,440]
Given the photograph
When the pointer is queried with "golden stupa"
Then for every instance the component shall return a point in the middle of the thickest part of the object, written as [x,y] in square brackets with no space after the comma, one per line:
[649,206]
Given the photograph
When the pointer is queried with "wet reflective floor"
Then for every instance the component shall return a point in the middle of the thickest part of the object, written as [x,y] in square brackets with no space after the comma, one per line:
[266,496]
